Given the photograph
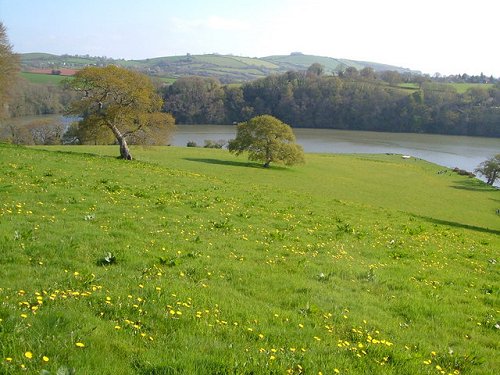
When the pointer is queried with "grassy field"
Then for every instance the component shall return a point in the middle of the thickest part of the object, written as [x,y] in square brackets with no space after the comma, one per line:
[463,87]
[43,78]
[228,68]
[193,261]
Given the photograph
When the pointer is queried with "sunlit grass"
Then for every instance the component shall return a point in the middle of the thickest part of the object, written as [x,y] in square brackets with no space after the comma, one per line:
[194,261]
[43,78]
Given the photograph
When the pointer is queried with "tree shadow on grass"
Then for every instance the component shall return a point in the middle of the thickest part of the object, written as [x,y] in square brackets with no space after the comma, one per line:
[233,163]
[459,225]
[473,184]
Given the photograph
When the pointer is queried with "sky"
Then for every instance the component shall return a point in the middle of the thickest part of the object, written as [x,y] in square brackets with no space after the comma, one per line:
[432,36]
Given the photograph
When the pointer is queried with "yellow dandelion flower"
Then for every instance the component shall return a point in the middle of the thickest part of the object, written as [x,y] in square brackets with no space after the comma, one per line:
[24,316]
[336,370]
[272,358]
[8,359]
[80,344]
[28,355]
[45,358]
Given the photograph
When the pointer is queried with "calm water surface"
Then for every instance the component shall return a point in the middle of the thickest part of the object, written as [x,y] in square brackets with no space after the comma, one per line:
[446,150]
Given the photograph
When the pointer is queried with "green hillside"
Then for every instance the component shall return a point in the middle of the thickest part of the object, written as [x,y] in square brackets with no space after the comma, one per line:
[43,78]
[47,60]
[194,261]
[226,68]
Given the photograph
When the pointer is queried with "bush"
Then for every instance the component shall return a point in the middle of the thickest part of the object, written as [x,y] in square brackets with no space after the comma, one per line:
[214,144]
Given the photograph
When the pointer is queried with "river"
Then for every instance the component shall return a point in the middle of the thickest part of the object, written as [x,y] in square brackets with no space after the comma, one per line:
[446,150]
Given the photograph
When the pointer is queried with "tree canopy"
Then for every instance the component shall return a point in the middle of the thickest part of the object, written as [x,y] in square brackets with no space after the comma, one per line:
[196,100]
[123,102]
[267,139]
[353,100]
[490,169]
[9,66]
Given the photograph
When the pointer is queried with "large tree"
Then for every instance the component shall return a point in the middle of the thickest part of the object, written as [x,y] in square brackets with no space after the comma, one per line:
[9,66]
[267,139]
[124,102]
[490,169]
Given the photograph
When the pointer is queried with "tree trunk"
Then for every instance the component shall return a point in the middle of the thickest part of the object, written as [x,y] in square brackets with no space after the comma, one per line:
[124,151]
[492,177]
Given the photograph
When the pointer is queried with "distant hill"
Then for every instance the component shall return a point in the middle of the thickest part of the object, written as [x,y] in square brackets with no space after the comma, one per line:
[226,68]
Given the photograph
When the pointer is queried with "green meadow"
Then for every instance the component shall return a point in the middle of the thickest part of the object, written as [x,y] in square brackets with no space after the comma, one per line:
[194,261]
[43,78]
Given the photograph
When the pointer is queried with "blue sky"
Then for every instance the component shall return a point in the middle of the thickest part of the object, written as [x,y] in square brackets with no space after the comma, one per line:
[445,36]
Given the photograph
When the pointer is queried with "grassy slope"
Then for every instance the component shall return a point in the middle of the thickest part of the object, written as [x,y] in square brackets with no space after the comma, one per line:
[223,266]
[463,87]
[43,78]
[302,62]
[226,67]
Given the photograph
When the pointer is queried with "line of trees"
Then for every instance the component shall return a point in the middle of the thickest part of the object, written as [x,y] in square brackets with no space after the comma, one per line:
[32,99]
[354,100]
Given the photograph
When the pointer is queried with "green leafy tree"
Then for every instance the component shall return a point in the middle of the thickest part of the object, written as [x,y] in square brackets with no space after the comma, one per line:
[490,169]
[316,69]
[267,139]
[196,100]
[9,66]
[122,101]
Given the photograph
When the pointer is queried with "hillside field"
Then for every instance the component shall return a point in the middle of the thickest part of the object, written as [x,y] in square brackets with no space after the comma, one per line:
[43,78]
[194,261]
[226,68]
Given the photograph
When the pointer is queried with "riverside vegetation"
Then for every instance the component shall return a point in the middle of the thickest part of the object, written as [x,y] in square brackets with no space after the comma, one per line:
[189,260]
